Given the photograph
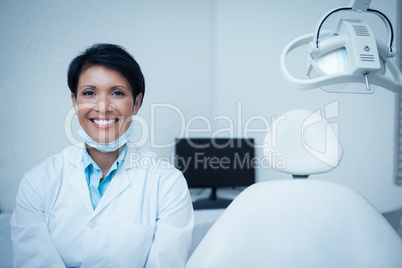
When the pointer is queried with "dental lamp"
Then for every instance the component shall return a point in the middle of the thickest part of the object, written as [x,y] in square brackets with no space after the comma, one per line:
[348,59]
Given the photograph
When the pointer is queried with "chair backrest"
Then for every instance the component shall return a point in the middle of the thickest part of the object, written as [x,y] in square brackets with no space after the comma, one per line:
[306,140]
[299,223]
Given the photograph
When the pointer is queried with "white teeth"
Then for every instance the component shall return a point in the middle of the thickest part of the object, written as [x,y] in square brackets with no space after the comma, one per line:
[105,122]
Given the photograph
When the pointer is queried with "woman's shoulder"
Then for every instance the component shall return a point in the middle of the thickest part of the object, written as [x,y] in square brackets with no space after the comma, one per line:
[56,162]
[157,172]
[148,161]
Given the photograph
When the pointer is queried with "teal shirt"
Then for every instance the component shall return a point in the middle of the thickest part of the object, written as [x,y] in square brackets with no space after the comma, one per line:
[93,175]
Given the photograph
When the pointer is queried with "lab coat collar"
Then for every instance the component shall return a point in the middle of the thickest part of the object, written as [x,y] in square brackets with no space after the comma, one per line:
[76,156]
[119,183]
[128,160]
[79,184]
[137,155]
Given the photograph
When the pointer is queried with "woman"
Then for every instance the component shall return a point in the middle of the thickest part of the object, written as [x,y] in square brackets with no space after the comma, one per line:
[93,207]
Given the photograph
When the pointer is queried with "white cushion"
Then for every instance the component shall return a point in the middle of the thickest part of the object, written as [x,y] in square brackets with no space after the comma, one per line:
[299,223]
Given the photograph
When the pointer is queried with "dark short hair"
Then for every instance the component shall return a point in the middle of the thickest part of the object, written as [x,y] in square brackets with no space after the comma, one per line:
[111,56]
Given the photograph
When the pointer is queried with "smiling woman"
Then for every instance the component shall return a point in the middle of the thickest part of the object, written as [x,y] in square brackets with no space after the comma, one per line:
[90,207]
[104,103]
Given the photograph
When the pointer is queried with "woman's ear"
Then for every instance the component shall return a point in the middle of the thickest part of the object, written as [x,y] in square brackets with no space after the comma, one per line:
[137,103]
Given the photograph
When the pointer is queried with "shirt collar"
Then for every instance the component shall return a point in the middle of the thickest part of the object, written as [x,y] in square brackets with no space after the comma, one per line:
[87,159]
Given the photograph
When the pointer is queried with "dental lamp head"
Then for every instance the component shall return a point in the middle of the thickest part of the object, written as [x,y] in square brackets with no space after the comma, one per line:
[347,59]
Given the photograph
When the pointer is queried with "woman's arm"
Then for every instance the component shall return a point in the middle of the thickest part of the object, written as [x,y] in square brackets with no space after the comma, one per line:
[33,246]
[174,226]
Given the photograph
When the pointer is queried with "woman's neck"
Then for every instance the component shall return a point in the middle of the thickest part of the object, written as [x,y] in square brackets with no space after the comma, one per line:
[104,160]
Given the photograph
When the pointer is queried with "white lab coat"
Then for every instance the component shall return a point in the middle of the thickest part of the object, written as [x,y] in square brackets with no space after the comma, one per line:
[144,219]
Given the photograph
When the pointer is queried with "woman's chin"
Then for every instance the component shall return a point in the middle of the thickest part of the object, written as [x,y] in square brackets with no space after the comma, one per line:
[104,137]
[104,140]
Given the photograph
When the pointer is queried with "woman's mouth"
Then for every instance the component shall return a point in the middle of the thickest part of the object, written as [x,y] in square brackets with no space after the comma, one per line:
[103,123]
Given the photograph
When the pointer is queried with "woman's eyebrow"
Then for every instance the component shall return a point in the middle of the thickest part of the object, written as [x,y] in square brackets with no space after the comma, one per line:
[87,86]
[117,86]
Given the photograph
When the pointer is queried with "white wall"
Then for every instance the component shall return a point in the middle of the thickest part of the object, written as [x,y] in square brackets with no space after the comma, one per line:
[199,56]
[248,40]
[169,39]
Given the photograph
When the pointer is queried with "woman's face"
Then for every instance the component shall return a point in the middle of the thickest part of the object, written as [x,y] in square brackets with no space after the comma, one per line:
[104,103]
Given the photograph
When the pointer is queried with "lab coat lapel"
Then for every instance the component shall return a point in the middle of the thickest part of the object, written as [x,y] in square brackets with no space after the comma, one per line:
[79,184]
[118,185]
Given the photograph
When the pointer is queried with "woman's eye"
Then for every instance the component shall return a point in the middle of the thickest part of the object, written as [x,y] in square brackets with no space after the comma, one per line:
[88,93]
[118,93]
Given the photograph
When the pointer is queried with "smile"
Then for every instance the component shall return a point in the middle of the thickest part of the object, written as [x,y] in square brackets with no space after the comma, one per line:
[101,123]
[104,122]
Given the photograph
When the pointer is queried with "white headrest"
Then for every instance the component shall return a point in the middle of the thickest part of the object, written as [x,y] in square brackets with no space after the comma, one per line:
[302,142]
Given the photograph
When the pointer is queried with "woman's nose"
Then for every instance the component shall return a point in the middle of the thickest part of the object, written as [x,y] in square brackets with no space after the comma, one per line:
[104,105]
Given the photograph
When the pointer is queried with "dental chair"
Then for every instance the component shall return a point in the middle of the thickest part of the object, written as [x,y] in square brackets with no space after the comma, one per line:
[300,222]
